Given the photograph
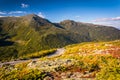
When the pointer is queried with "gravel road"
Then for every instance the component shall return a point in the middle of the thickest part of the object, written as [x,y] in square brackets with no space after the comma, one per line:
[59,51]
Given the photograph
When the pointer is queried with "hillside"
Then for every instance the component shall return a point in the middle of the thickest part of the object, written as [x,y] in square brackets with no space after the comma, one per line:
[91,31]
[84,61]
[20,36]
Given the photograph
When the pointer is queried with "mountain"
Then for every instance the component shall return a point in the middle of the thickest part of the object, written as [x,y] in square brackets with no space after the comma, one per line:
[93,32]
[28,34]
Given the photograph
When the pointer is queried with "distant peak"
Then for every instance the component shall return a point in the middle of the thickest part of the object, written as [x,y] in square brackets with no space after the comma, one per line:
[65,21]
[35,18]
[30,15]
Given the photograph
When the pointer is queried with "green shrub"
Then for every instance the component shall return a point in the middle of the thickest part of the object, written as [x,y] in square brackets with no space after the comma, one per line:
[110,71]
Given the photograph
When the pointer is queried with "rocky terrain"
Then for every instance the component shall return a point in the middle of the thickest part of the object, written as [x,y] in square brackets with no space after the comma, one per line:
[57,68]
[85,61]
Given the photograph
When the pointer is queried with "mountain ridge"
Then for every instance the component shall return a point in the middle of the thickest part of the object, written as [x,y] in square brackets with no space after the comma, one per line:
[30,33]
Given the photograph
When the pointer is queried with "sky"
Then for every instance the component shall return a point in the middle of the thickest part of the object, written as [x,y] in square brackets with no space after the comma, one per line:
[104,12]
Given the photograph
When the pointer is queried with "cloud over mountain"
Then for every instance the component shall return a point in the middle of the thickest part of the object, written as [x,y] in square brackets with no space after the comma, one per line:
[107,19]
[16,12]
[41,15]
[2,12]
[115,21]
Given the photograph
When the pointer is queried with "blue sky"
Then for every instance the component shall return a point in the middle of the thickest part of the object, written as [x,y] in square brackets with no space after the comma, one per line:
[106,12]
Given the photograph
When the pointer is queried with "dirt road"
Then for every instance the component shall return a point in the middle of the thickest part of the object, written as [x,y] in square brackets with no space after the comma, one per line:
[59,51]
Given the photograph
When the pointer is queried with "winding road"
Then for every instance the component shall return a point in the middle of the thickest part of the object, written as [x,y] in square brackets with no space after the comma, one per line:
[58,52]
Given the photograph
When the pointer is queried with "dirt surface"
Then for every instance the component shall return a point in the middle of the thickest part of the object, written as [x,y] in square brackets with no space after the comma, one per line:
[59,51]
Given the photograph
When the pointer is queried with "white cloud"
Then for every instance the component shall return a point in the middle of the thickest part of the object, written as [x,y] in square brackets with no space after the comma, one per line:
[41,15]
[24,5]
[77,16]
[115,22]
[110,23]
[107,19]
[2,16]
[2,12]
[16,12]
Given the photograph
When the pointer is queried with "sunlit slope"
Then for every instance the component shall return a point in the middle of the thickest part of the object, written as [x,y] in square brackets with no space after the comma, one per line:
[95,48]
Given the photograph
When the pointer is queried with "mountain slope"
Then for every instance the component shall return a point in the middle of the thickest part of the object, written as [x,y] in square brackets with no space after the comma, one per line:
[28,34]
[94,32]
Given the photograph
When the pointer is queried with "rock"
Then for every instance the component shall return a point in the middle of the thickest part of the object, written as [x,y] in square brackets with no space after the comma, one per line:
[87,72]
[48,78]
[32,64]
[77,75]
[69,74]
[63,75]
[68,61]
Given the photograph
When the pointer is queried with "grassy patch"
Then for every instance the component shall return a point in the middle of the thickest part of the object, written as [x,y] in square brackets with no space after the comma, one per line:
[38,54]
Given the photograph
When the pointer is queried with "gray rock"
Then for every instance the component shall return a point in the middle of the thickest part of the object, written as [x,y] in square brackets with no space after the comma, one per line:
[48,78]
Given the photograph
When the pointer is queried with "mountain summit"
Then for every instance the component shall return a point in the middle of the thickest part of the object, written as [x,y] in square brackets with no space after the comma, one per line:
[34,17]
[28,34]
